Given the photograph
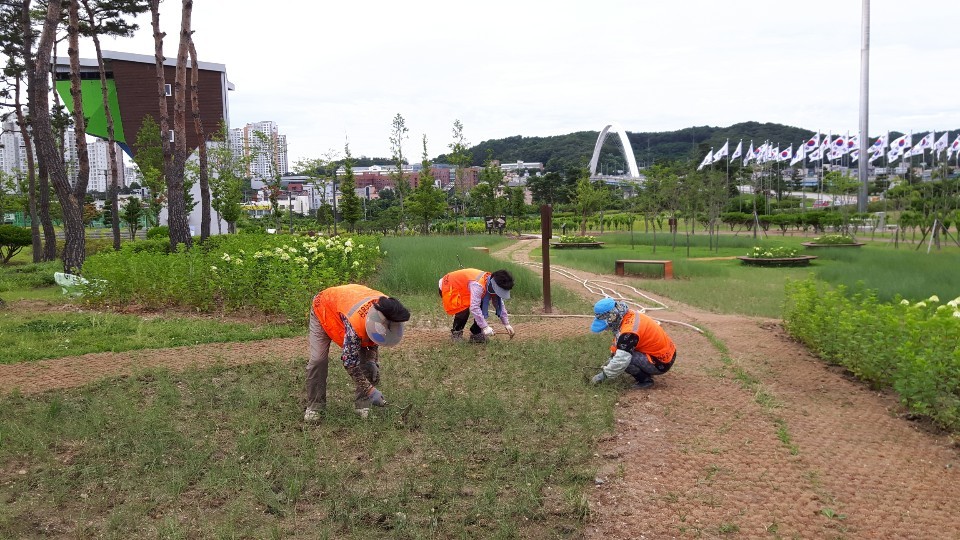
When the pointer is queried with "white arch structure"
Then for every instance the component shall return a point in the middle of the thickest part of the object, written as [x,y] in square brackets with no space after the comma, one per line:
[627,150]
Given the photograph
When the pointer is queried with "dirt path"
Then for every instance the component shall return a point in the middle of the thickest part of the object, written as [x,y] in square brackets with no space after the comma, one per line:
[764,442]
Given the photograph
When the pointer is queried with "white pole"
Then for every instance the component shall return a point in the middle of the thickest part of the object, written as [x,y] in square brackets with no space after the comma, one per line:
[864,104]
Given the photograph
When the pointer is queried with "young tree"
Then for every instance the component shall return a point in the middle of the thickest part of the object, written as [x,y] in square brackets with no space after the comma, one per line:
[149,160]
[268,147]
[427,202]
[227,172]
[398,132]
[351,208]
[588,198]
[132,213]
[12,240]
[459,158]
[518,207]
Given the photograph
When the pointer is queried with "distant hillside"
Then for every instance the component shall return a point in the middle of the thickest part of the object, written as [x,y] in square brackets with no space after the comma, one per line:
[562,151]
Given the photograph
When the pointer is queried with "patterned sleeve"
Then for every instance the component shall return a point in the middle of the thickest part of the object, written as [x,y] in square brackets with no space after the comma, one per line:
[351,356]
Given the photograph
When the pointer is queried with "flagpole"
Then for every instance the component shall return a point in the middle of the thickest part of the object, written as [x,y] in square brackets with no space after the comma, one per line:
[864,103]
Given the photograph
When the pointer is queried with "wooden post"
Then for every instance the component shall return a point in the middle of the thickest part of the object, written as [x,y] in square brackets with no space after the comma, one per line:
[546,232]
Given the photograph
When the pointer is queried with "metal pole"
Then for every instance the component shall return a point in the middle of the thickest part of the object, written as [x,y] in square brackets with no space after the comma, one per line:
[864,105]
[290,207]
[546,231]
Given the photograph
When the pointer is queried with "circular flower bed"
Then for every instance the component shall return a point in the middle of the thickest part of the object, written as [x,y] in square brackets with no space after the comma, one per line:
[775,256]
[571,241]
[832,240]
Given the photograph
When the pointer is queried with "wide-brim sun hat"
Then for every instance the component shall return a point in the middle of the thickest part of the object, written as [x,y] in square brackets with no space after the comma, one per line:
[381,330]
[600,308]
[498,290]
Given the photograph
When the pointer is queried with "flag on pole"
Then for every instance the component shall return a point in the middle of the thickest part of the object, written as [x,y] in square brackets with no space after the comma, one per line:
[801,153]
[722,152]
[942,143]
[925,142]
[815,155]
[834,154]
[878,145]
[901,143]
[785,154]
[892,156]
[839,146]
[812,144]
[853,143]
[854,155]
[753,155]
[954,146]
[738,152]
[762,153]
[875,156]
[707,159]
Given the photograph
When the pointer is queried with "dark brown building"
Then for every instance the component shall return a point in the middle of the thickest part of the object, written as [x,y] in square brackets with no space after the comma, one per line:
[132,88]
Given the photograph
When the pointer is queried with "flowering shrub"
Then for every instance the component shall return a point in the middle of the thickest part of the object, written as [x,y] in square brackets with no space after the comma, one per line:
[272,273]
[909,346]
[571,239]
[759,252]
[833,239]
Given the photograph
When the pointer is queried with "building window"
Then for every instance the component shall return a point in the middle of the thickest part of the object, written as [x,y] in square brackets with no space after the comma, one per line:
[167,90]
[171,135]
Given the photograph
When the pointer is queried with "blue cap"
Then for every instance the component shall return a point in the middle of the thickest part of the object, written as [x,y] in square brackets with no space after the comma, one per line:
[598,326]
[601,307]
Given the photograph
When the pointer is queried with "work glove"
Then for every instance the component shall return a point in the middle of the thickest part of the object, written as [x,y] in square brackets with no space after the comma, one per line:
[376,397]
[599,378]
[488,331]
[510,330]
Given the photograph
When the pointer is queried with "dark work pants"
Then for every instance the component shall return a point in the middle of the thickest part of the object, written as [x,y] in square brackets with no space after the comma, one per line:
[643,367]
[460,321]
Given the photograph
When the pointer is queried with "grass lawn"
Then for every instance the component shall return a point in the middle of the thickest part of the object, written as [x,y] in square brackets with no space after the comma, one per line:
[498,443]
[726,286]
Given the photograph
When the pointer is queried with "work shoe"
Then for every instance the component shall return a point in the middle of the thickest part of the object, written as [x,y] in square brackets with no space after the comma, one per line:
[456,336]
[640,385]
[311,415]
[478,338]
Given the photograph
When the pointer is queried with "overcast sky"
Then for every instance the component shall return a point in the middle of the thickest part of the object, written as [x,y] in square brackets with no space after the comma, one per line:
[329,72]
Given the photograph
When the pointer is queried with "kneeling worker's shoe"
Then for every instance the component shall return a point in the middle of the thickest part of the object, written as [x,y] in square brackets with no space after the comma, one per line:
[646,383]
[456,336]
[478,338]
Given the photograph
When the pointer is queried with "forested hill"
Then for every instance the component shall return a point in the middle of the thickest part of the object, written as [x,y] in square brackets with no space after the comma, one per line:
[575,149]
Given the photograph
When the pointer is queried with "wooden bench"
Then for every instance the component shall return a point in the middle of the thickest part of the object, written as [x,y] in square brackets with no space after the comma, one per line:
[667,266]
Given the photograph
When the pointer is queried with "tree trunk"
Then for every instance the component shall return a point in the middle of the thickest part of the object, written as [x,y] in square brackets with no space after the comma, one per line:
[71,201]
[114,188]
[49,233]
[46,142]
[31,168]
[176,201]
[201,136]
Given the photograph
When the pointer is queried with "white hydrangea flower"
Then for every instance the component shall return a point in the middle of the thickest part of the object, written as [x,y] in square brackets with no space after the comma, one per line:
[904,302]
[955,302]
[214,268]
[933,298]
[920,304]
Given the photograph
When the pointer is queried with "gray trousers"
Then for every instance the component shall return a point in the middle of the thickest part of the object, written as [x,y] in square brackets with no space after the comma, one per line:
[319,363]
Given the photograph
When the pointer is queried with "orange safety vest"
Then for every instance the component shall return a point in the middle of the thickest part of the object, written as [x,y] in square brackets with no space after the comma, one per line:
[354,302]
[455,288]
[653,340]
